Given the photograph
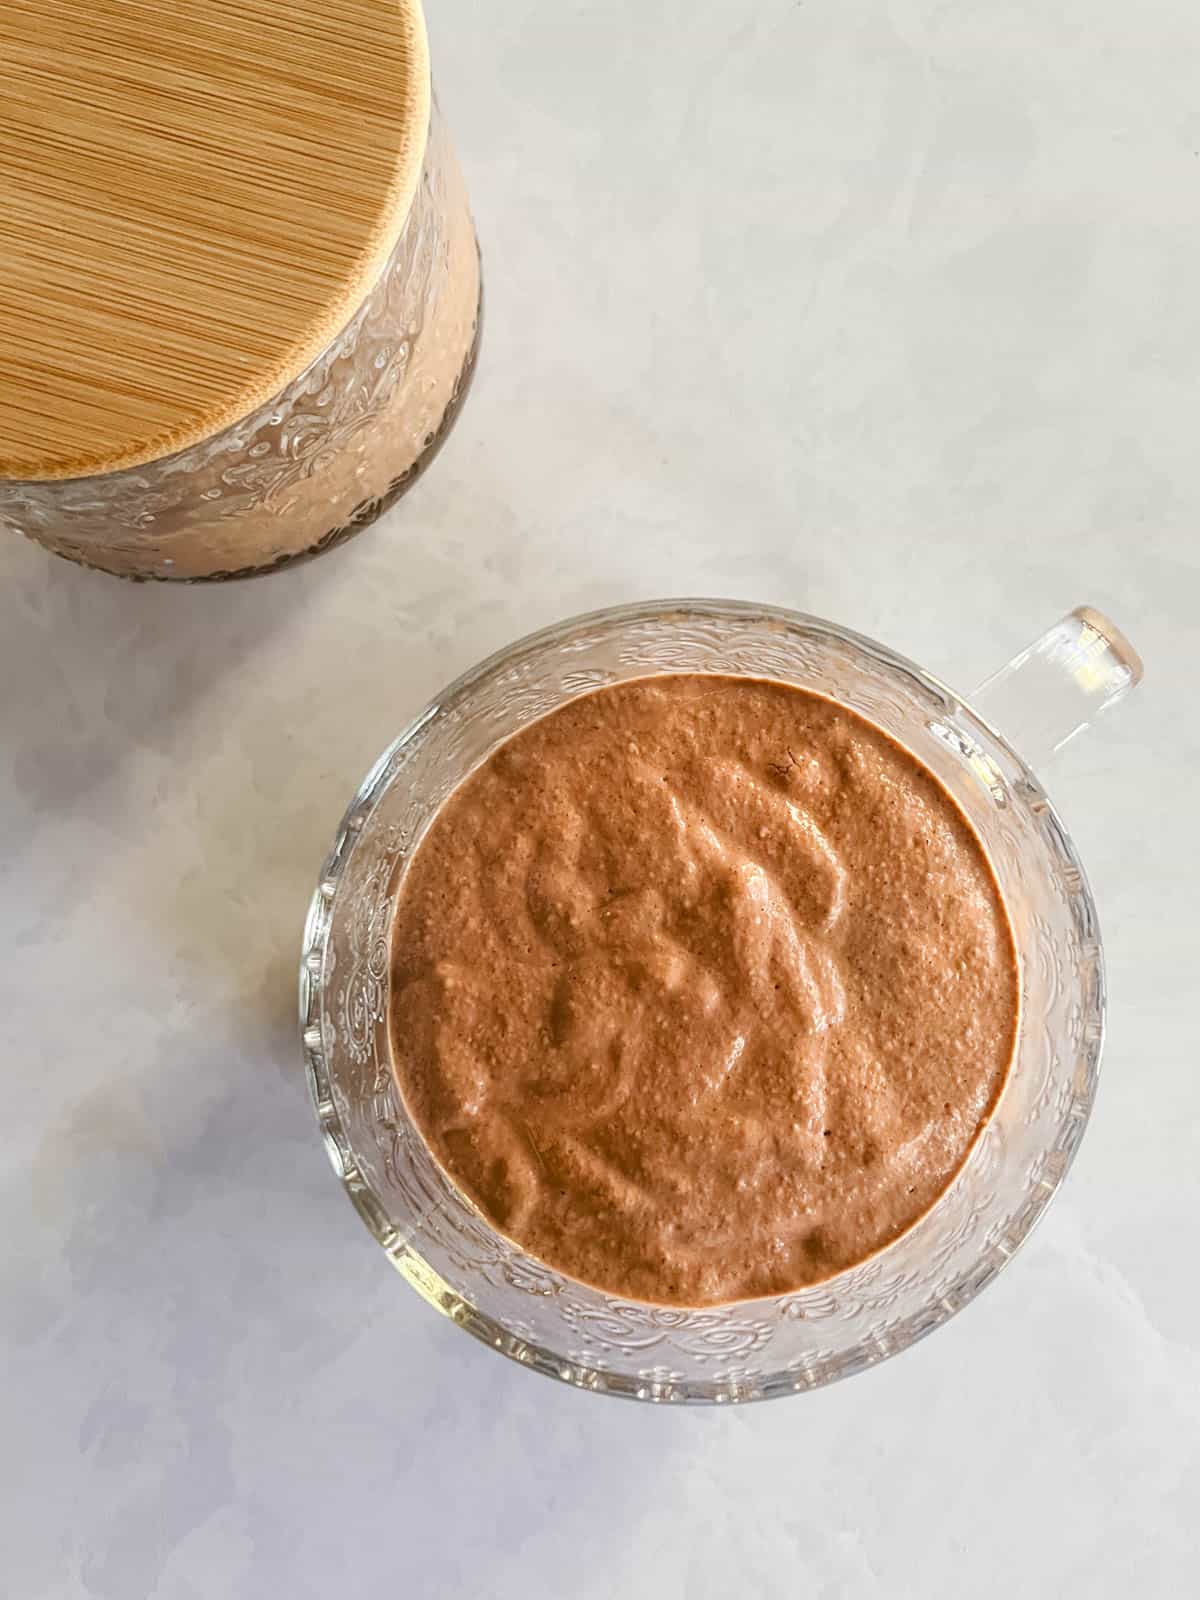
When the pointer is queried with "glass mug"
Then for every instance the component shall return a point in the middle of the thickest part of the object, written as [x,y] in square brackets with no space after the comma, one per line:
[757,1349]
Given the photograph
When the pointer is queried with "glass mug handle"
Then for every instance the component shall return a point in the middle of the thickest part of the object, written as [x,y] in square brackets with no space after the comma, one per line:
[1058,685]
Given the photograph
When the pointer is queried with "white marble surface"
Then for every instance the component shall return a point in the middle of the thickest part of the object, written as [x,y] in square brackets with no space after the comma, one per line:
[883,311]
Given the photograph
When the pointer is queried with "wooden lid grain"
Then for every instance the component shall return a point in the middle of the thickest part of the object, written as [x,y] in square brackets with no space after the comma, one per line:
[195,196]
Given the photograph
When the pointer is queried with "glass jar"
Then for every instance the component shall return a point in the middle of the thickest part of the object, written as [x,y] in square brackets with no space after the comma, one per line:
[323,455]
[763,1348]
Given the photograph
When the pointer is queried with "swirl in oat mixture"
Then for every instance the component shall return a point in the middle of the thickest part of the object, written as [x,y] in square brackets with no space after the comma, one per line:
[702,988]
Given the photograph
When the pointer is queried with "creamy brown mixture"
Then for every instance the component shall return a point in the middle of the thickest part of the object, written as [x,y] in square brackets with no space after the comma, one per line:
[703,988]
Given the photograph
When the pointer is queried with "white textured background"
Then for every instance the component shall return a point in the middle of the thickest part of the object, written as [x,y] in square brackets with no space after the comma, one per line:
[887,311]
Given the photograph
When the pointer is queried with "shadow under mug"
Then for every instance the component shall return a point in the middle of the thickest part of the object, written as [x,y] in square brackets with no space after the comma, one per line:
[764,1348]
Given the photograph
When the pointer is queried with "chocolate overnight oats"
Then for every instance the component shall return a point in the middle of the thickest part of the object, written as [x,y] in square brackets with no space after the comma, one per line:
[702,988]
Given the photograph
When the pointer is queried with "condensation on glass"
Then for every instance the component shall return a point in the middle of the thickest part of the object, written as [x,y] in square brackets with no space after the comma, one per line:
[320,461]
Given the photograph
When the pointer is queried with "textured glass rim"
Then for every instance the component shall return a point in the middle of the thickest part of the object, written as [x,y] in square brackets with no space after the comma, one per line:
[313,997]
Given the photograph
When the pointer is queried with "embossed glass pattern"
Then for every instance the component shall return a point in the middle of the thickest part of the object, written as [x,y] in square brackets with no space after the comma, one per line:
[326,456]
[756,1349]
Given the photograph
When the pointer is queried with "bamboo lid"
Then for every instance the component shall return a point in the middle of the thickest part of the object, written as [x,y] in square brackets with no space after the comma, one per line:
[195,197]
